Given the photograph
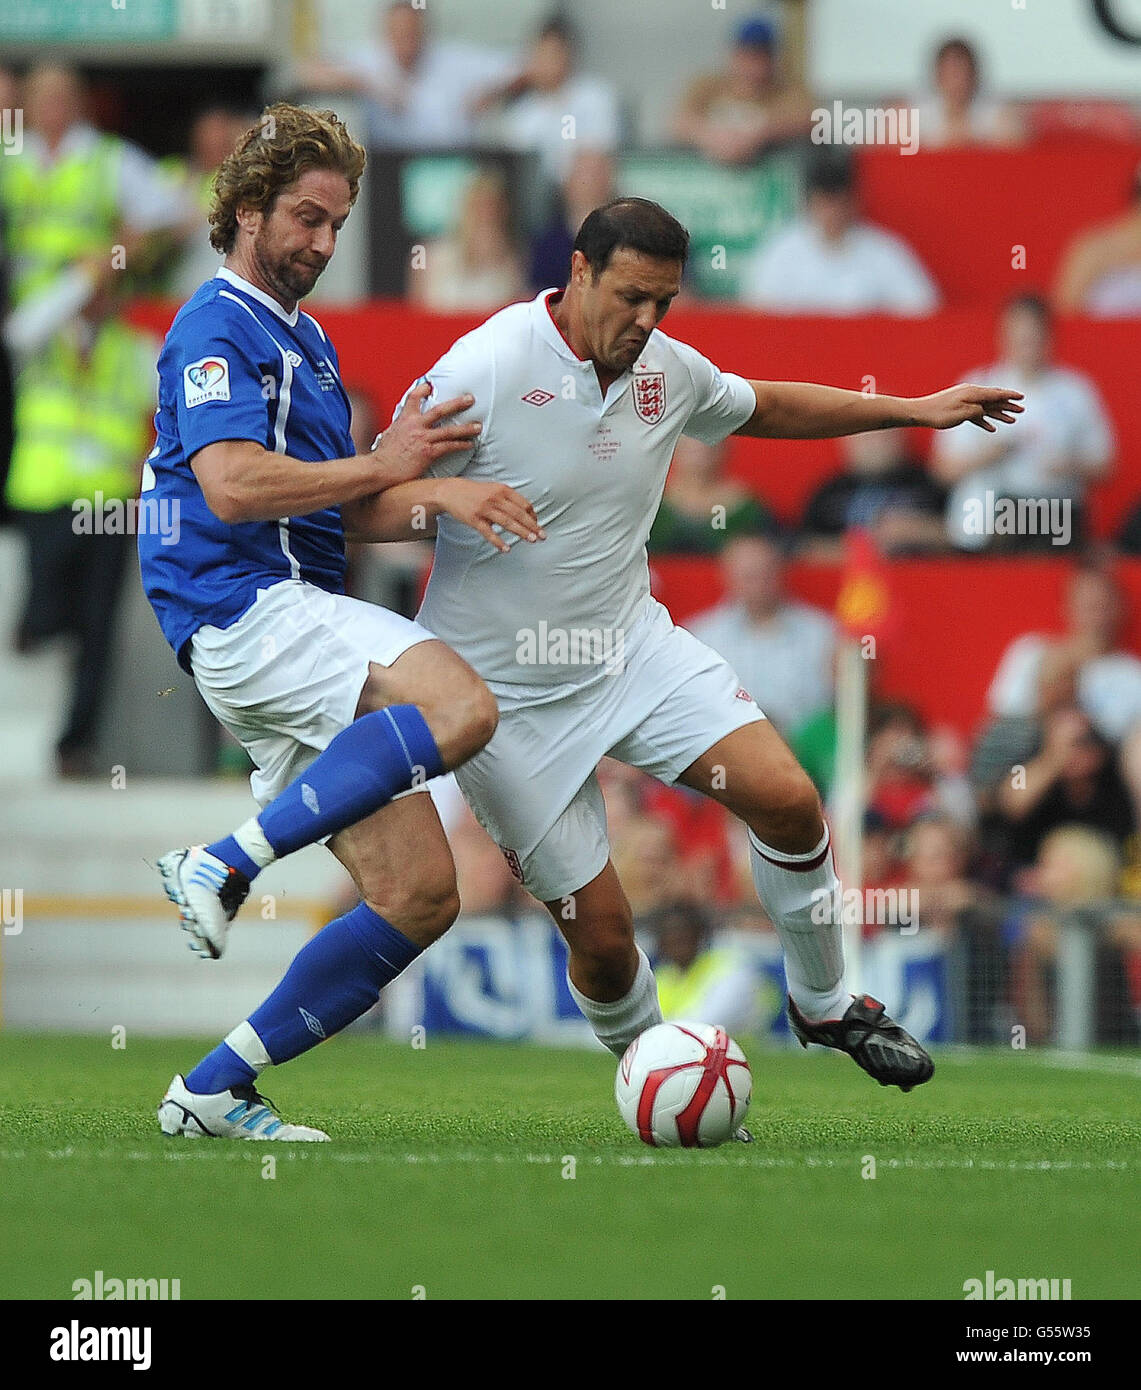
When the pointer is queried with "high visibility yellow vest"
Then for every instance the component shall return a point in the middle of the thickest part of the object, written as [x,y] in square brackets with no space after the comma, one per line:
[82,426]
[57,216]
[680,991]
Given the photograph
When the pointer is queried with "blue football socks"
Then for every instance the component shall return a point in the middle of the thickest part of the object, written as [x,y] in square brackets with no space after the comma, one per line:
[362,769]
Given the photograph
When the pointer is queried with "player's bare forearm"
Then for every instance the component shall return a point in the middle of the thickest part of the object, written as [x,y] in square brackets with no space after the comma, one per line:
[242,481]
[805,410]
[409,512]
[406,512]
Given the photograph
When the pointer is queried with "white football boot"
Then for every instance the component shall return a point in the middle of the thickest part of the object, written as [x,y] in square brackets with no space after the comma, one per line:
[239,1113]
[207,894]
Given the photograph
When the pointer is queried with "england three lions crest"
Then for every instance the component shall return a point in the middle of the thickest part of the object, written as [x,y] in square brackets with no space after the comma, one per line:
[650,396]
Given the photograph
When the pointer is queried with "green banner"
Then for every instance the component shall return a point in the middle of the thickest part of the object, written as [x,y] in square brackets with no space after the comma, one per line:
[41,21]
[729,212]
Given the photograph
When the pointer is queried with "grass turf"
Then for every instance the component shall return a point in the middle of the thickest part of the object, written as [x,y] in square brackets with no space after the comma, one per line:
[447,1176]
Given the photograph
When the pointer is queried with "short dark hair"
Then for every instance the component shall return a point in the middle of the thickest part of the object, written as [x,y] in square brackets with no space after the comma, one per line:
[558,26]
[1030,302]
[632,224]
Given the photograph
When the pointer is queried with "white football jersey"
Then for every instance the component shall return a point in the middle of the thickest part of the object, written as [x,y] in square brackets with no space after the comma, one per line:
[594,469]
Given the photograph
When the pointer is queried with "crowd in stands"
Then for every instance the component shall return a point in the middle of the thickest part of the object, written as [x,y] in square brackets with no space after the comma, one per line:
[1004,839]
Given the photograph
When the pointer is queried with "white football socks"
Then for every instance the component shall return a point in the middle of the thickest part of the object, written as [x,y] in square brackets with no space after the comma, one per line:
[803,898]
[617,1024]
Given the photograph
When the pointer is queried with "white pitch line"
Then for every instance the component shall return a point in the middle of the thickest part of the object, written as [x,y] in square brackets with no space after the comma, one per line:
[671,1159]
[1107,1064]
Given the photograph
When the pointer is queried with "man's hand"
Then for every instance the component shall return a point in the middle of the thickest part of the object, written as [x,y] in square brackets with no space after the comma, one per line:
[416,440]
[483,505]
[981,405]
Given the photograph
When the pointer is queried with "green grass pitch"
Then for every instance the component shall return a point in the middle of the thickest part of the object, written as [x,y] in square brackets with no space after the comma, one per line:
[446,1179]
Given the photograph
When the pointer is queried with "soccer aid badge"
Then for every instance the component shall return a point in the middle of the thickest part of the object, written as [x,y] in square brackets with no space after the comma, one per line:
[650,396]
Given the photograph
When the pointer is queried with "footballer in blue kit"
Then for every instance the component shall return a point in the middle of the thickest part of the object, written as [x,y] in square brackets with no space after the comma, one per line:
[345,709]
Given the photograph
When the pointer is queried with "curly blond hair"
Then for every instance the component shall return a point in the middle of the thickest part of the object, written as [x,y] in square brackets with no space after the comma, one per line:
[273,154]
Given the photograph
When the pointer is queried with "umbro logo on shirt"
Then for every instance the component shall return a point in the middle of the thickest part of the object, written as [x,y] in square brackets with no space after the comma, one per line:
[537,397]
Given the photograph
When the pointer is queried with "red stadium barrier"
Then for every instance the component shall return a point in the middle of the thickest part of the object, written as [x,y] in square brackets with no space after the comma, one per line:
[953,619]
[964,211]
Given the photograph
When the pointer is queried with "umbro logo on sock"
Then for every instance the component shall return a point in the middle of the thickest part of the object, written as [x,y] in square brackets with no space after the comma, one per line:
[309,796]
[313,1023]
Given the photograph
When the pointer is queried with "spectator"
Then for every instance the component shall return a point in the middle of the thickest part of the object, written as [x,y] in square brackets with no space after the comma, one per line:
[702,509]
[484,879]
[83,408]
[588,185]
[734,116]
[645,856]
[554,109]
[1100,274]
[69,197]
[477,266]
[957,112]
[1087,665]
[1074,879]
[781,650]
[9,104]
[1073,780]
[421,90]
[213,134]
[829,261]
[1062,442]
[885,490]
[701,979]
[908,773]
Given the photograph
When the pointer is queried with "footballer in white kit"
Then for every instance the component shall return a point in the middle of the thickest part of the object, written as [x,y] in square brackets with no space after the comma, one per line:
[582,401]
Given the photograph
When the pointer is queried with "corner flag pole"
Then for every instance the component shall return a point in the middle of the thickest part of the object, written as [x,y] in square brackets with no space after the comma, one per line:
[848,801]
[863,611]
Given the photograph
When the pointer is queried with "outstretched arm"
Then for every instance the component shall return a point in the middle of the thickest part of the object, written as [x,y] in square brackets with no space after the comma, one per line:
[409,511]
[803,410]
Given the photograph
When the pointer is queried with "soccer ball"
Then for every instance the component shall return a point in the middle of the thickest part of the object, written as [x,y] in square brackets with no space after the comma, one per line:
[683,1085]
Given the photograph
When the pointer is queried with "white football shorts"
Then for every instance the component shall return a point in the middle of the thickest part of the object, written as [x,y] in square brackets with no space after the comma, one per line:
[285,679]
[534,789]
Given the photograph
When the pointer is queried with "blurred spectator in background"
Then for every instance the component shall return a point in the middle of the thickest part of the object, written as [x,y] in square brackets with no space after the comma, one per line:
[83,409]
[1074,881]
[421,91]
[957,111]
[1087,665]
[829,261]
[702,509]
[484,879]
[9,106]
[700,978]
[1100,273]
[781,650]
[213,134]
[645,855]
[735,115]
[885,490]
[552,108]
[1072,780]
[477,266]
[588,185]
[80,208]
[1062,442]
[909,773]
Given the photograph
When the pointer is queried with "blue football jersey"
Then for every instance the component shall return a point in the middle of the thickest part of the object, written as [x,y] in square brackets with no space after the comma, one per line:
[235,365]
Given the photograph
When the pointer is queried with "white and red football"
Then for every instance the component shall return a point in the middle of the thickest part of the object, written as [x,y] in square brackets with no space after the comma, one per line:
[683,1085]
